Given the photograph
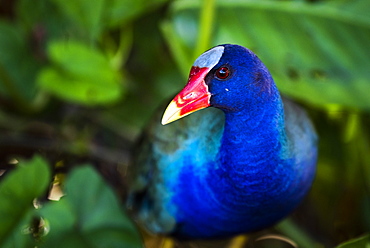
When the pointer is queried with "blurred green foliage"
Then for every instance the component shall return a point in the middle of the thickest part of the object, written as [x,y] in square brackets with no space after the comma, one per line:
[17,193]
[357,243]
[84,218]
[89,217]
[79,79]
[85,72]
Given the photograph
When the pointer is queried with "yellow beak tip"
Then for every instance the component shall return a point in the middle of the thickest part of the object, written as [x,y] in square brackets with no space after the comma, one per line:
[164,122]
[171,113]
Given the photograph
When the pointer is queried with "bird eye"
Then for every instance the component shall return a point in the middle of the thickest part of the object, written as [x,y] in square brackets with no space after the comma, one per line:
[222,72]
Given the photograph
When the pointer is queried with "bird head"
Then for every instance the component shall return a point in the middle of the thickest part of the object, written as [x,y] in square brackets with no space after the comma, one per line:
[228,77]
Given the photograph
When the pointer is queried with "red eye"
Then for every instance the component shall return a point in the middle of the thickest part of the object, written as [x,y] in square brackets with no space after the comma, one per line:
[222,73]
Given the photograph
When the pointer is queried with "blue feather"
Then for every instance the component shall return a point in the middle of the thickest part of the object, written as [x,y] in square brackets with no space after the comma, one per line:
[221,172]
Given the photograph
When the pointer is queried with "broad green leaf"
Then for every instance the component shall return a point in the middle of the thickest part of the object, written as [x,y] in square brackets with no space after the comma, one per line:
[80,74]
[45,21]
[17,192]
[318,52]
[84,13]
[119,12]
[362,242]
[88,216]
[18,66]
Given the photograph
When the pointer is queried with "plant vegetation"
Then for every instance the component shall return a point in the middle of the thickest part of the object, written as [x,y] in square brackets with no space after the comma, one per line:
[79,79]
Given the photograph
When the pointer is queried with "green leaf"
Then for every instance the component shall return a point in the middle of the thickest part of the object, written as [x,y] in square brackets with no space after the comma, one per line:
[318,52]
[88,216]
[18,67]
[294,232]
[87,15]
[45,21]
[362,242]
[122,11]
[80,74]
[17,192]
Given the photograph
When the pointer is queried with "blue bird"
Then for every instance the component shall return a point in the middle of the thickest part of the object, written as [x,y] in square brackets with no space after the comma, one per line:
[237,167]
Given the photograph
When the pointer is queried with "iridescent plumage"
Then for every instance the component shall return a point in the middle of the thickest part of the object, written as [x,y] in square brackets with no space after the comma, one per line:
[220,172]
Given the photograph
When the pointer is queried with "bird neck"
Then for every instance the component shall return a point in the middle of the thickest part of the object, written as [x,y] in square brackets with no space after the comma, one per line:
[251,134]
[253,153]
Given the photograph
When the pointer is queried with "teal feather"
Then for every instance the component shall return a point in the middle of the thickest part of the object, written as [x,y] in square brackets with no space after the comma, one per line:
[222,172]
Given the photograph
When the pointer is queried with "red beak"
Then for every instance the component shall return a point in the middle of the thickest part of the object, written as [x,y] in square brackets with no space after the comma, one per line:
[193,97]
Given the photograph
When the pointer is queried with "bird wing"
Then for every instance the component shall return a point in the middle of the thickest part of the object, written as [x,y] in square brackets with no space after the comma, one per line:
[302,139]
[163,151]
[161,154]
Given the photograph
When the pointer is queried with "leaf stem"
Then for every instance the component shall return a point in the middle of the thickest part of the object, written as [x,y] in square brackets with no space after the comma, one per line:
[176,47]
[293,231]
[206,26]
[125,44]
